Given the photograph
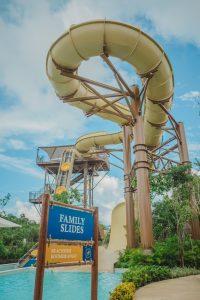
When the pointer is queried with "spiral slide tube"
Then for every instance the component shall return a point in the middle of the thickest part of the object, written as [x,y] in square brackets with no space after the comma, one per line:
[127,43]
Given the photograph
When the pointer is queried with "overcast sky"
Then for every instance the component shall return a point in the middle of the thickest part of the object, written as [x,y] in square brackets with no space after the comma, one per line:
[30,113]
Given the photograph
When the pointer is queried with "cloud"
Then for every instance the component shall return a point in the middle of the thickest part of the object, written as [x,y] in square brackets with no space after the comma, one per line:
[107,194]
[19,164]
[32,27]
[192,95]
[35,111]
[27,209]
[174,18]
[194,147]
[158,14]
[32,111]
[17,144]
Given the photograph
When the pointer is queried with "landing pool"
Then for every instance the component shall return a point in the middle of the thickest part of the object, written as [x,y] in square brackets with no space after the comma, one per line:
[58,285]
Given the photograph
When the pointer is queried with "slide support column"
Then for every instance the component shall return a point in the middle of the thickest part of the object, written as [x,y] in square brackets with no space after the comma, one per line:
[141,167]
[85,195]
[128,195]
[184,157]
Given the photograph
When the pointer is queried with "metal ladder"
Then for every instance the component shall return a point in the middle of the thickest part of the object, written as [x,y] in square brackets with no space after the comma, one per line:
[64,177]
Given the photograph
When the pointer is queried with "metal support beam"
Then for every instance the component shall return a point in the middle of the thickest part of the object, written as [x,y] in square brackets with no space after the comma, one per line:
[94,82]
[128,195]
[142,175]
[85,185]
[90,190]
[78,99]
[109,103]
[184,157]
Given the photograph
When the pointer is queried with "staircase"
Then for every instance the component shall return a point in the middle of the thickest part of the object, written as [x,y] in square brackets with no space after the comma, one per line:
[65,170]
[29,258]
[36,197]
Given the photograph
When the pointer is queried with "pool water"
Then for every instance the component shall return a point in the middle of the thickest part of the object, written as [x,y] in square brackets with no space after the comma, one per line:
[57,285]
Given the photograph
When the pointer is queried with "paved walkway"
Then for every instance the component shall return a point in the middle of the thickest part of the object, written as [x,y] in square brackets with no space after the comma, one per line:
[184,288]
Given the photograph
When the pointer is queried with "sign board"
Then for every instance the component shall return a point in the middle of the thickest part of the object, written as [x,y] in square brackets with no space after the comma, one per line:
[64,253]
[66,223]
[68,235]
[61,253]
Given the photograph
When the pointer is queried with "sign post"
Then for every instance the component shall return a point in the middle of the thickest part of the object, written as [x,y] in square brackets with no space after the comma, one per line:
[39,277]
[94,277]
[68,236]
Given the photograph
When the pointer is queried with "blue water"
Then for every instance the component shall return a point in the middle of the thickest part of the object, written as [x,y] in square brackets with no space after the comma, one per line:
[57,285]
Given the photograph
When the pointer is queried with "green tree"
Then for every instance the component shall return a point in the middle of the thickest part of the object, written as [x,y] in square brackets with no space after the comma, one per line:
[164,222]
[15,242]
[175,188]
[4,200]
[70,197]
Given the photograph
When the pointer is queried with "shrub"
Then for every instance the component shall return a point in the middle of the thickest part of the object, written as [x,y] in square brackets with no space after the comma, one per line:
[181,272]
[142,275]
[165,253]
[124,291]
[192,253]
[133,257]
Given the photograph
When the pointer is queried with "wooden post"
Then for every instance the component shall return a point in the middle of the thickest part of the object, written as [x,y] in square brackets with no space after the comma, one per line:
[184,157]
[142,175]
[94,267]
[85,185]
[39,276]
[90,190]
[128,195]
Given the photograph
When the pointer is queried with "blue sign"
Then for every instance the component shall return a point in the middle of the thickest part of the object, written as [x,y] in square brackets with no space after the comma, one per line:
[65,223]
[88,253]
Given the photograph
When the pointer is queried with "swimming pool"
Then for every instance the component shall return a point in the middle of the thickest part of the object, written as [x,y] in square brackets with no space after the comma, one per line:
[57,285]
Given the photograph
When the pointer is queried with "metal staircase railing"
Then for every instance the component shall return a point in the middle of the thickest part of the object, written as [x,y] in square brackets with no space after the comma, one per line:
[35,195]
[64,175]
[27,254]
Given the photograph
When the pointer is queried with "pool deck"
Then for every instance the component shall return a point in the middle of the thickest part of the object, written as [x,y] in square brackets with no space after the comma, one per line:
[183,288]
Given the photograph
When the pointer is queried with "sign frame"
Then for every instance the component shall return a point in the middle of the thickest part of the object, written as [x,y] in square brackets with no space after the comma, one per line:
[43,240]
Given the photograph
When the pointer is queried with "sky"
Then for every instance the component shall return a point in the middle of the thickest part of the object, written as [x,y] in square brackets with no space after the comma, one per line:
[32,116]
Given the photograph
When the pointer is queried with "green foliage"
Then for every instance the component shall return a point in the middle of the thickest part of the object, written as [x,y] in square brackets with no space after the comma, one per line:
[15,242]
[164,220]
[124,291]
[134,183]
[196,193]
[174,211]
[197,163]
[69,197]
[182,272]
[192,253]
[4,200]
[132,257]
[164,253]
[174,178]
[142,275]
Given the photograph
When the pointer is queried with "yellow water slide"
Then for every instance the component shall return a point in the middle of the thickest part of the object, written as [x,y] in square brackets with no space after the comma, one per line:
[98,139]
[129,44]
[125,42]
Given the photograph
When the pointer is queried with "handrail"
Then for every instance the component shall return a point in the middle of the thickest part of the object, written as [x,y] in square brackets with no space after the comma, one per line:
[27,253]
